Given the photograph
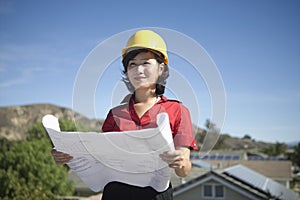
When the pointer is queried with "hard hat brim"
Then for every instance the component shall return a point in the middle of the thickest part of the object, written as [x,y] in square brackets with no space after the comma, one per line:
[125,51]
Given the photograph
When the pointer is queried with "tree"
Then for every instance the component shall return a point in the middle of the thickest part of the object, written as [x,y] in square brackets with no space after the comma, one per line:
[210,125]
[67,125]
[5,144]
[275,149]
[28,171]
[295,155]
[209,137]
[37,131]
[247,137]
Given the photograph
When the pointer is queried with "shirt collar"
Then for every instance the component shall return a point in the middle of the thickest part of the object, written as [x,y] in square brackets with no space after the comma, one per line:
[130,98]
[162,99]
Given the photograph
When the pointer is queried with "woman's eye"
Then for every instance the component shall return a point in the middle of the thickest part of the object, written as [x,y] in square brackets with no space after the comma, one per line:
[132,64]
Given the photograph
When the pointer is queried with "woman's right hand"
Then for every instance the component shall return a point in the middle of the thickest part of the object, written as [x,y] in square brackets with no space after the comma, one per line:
[61,158]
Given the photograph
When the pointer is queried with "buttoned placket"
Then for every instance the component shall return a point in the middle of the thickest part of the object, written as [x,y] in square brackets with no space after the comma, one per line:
[145,119]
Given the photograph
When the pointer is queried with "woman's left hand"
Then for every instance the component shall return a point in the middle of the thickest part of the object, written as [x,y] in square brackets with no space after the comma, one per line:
[178,160]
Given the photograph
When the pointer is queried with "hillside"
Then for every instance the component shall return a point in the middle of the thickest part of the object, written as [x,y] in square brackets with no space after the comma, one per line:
[228,142]
[15,120]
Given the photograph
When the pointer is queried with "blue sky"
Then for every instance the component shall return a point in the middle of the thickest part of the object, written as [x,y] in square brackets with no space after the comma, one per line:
[254,44]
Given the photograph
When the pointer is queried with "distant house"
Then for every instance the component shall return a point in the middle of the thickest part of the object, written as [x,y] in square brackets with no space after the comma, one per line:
[233,183]
[280,171]
[277,169]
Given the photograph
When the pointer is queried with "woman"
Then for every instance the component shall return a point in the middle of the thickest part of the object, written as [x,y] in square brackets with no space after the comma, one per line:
[145,62]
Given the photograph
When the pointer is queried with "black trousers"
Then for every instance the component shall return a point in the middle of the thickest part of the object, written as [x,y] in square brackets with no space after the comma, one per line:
[117,191]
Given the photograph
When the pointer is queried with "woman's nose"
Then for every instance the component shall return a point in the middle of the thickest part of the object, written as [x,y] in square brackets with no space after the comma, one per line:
[140,68]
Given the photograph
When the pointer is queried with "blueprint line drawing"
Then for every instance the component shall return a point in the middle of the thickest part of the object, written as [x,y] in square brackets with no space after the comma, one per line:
[130,157]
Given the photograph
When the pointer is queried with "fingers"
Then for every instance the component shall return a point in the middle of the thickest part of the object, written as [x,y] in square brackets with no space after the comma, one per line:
[176,165]
[176,159]
[61,157]
[171,157]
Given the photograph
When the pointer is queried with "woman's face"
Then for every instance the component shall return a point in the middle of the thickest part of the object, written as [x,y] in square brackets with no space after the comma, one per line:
[143,70]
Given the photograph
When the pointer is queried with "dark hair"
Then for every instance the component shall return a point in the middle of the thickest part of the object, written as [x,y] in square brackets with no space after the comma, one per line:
[162,79]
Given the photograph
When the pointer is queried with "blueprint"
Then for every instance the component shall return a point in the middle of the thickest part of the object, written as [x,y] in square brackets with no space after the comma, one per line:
[130,157]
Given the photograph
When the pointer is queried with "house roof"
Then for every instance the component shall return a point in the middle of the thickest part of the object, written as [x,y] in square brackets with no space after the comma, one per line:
[244,181]
[260,182]
[245,190]
[279,170]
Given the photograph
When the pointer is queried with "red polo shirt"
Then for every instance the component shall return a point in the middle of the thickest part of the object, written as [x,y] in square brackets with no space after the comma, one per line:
[125,118]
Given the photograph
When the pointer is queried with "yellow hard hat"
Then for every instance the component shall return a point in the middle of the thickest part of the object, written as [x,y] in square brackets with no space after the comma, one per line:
[146,39]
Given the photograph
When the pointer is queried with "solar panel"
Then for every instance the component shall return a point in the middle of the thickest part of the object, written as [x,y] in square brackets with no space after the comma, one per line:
[227,157]
[235,157]
[205,157]
[202,164]
[193,156]
[261,182]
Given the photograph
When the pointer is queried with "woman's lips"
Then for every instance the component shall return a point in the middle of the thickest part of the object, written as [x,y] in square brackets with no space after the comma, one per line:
[139,78]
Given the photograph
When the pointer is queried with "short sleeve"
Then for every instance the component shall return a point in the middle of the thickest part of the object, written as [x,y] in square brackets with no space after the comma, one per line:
[184,130]
[109,123]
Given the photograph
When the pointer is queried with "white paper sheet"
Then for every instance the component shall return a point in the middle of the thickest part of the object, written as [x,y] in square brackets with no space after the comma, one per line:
[130,157]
